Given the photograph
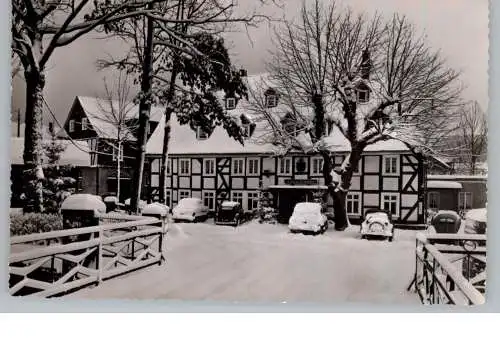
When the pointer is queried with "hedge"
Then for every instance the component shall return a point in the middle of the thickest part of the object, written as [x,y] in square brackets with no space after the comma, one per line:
[29,223]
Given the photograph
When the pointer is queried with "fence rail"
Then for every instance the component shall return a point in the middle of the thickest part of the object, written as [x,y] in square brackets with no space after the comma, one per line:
[450,269]
[58,262]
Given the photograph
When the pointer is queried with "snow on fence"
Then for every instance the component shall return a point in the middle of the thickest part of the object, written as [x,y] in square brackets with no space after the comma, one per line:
[450,269]
[58,262]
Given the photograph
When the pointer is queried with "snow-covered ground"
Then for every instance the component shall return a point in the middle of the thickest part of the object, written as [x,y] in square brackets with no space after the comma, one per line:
[265,262]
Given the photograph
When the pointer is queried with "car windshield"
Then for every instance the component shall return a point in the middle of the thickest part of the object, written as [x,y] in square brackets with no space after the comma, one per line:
[229,205]
[307,208]
[378,214]
[189,202]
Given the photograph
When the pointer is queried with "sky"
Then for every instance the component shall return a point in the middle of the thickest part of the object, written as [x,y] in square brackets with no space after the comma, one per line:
[458,28]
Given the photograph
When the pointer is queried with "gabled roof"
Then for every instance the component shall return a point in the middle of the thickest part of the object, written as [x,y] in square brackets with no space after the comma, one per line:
[95,107]
[183,139]
[76,152]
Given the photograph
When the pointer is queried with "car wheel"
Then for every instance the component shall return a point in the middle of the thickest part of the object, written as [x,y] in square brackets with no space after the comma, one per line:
[390,239]
[363,237]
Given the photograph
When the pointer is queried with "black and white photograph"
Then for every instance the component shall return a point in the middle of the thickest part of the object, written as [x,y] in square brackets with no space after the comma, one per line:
[249,151]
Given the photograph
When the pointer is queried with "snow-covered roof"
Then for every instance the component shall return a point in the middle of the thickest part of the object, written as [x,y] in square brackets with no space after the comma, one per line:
[307,207]
[443,185]
[76,152]
[96,110]
[183,139]
[84,202]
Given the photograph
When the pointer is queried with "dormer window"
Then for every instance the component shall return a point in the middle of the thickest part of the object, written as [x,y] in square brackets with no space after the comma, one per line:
[291,125]
[271,98]
[85,123]
[271,101]
[362,94]
[201,134]
[247,125]
[230,103]
[247,130]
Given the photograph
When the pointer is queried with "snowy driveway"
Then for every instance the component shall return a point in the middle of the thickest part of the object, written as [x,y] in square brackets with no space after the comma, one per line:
[264,262]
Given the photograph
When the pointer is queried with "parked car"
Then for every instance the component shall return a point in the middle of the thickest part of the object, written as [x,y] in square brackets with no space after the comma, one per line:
[446,221]
[475,222]
[229,213]
[377,223]
[308,217]
[190,209]
[474,269]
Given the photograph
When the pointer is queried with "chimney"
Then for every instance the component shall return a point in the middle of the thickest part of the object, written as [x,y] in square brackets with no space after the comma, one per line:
[243,72]
[366,65]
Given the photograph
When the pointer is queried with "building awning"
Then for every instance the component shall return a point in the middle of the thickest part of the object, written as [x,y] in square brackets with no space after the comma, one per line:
[443,185]
[308,187]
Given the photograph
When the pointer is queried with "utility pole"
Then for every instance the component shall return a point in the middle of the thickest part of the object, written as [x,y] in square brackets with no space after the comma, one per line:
[144,112]
[19,123]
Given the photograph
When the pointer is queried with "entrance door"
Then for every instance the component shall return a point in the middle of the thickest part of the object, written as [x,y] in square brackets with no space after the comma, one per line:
[287,200]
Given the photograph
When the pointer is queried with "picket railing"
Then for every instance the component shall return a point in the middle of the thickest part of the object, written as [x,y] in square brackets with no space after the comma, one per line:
[450,269]
[59,262]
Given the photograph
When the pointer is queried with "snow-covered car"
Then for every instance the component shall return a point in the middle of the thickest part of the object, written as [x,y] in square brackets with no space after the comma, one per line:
[190,209]
[141,204]
[377,223]
[229,213]
[308,217]
[474,269]
[475,221]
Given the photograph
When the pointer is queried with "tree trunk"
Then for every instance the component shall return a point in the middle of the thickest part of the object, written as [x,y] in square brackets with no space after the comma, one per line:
[338,190]
[144,112]
[164,156]
[339,201]
[33,148]
[166,135]
[118,171]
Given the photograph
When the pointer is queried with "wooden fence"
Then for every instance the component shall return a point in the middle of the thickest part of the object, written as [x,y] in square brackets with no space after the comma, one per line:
[450,269]
[59,262]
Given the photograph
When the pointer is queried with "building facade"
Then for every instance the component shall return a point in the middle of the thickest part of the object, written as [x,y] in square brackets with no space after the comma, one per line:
[456,192]
[388,180]
[216,167]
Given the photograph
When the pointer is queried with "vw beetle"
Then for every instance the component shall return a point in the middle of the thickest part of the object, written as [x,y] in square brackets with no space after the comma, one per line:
[377,223]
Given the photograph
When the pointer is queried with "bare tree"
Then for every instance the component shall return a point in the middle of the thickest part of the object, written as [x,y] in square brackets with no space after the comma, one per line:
[363,78]
[118,116]
[471,140]
[189,60]
[39,27]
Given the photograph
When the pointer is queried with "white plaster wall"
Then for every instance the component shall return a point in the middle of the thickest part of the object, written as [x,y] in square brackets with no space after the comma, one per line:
[184,182]
[237,183]
[372,164]
[371,182]
[390,183]
[252,182]
[196,182]
[209,183]
[195,166]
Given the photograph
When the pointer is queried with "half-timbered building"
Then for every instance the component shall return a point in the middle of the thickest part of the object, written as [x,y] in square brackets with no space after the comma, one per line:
[216,167]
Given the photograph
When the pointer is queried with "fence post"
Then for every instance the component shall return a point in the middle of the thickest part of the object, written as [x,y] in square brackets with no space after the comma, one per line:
[81,210]
[159,211]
